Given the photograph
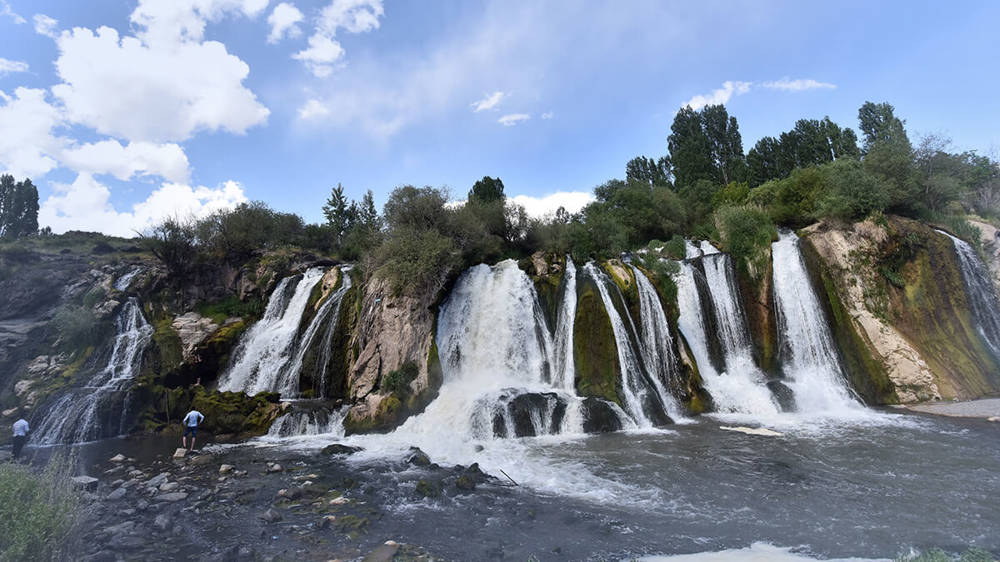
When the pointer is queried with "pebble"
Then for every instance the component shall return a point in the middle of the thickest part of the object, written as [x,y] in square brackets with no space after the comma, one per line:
[171,497]
[273,467]
[225,469]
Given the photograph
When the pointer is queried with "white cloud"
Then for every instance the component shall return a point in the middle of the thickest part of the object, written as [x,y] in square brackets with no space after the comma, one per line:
[353,16]
[313,109]
[320,56]
[488,102]
[166,22]
[7,66]
[797,85]
[572,201]
[5,10]
[719,96]
[44,25]
[85,205]
[512,119]
[284,21]
[547,115]
[132,89]
[110,157]
[27,145]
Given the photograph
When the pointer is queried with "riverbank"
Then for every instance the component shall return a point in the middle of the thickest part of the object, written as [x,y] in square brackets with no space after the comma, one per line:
[984,408]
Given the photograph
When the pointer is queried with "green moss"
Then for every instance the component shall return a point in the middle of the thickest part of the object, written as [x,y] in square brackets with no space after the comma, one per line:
[594,351]
[757,294]
[168,343]
[351,525]
[232,307]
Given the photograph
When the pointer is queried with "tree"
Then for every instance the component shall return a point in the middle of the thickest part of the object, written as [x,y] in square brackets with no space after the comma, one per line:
[690,149]
[18,208]
[487,190]
[811,142]
[879,124]
[648,171]
[338,213]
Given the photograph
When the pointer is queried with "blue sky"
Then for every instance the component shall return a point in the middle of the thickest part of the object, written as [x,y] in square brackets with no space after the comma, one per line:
[124,111]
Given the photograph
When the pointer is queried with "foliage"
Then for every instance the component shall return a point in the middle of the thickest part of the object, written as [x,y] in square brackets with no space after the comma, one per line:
[38,510]
[648,171]
[851,192]
[746,233]
[398,380]
[18,208]
[810,143]
[706,145]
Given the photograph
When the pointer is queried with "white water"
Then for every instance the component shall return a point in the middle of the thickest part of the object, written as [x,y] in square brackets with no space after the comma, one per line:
[565,368]
[656,343]
[808,356]
[707,248]
[634,392]
[981,293]
[740,389]
[123,282]
[326,316]
[691,250]
[309,422]
[268,346]
[77,416]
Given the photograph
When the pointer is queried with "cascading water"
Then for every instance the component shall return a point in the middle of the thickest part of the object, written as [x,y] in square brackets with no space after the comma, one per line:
[707,248]
[325,320]
[263,352]
[656,343]
[635,391]
[691,250]
[808,356]
[563,351]
[315,421]
[741,388]
[97,409]
[981,293]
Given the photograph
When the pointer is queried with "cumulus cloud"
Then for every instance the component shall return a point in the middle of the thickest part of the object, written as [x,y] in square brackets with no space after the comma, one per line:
[44,25]
[718,96]
[488,102]
[85,205]
[512,119]
[572,201]
[352,16]
[165,23]
[8,66]
[141,90]
[284,21]
[123,162]
[28,146]
[798,85]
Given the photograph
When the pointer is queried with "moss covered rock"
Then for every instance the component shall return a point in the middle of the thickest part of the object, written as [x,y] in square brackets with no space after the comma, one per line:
[594,351]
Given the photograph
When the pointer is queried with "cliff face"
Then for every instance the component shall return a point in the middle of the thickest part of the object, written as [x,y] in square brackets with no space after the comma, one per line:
[895,297]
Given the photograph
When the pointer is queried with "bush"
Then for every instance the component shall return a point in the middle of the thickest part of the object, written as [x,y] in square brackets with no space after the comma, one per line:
[398,381]
[38,510]
[746,233]
[417,261]
[852,193]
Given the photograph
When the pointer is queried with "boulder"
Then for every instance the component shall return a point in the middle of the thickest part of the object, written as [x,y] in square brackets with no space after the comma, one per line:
[192,329]
[383,553]
[22,387]
[225,468]
[160,478]
[783,394]
[428,488]
[162,522]
[169,486]
[600,416]
[180,453]
[118,458]
[273,467]
[117,494]
[86,483]
[339,449]
[172,497]
[270,516]
[417,457]
[523,409]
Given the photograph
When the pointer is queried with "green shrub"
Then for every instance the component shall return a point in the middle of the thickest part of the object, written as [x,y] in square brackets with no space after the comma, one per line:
[398,381]
[746,233]
[852,193]
[38,510]
[676,248]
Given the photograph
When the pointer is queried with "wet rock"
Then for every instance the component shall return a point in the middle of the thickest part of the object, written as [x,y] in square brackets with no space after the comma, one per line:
[339,449]
[270,516]
[523,411]
[118,458]
[416,457]
[192,329]
[273,467]
[239,553]
[172,497]
[783,394]
[471,477]
[428,488]
[117,494]
[160,478]
[162,522]
[384,553]
[169,486]
[326,521]
[180,453]
[225,469]
[599,416]
[87,483]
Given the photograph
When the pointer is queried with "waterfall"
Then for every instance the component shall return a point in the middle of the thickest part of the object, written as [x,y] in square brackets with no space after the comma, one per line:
[326,320]
[707,248]
[741,387]
[982,295]
[313,421]
[691,250]
[563,350]
[97,409]
[263,352]
[123,282]
[808,355]
[635,392]
[656,343]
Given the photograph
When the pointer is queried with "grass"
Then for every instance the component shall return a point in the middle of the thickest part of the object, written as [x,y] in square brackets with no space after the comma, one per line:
[38,510]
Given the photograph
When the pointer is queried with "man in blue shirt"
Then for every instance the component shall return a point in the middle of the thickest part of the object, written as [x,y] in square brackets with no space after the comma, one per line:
[191,422]
[21,431]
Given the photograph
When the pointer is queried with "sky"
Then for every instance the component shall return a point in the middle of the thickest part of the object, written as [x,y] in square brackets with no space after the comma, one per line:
[124,112]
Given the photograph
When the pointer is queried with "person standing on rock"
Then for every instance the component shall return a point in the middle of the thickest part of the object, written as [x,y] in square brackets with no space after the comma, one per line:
[191,422]
[21,431]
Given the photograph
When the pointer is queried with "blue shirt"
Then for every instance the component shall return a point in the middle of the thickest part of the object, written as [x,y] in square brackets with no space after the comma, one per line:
[193,418]
[21,428]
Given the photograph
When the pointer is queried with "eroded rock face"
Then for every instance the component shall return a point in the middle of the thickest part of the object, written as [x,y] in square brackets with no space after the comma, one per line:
[391,331]
[192,329]
[989,235]
[842,252]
